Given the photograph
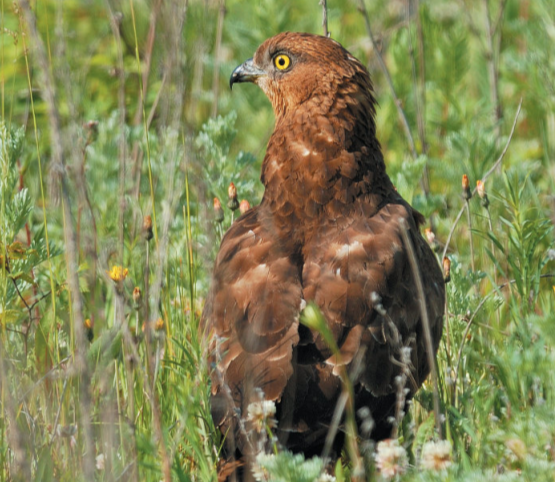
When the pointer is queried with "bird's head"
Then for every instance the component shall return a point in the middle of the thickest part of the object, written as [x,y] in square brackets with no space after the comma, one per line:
[293,68]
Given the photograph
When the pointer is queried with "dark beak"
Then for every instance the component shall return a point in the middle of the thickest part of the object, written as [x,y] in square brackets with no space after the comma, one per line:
[246,72]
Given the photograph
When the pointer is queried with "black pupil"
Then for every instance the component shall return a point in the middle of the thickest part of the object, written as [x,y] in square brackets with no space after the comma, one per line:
[281,61]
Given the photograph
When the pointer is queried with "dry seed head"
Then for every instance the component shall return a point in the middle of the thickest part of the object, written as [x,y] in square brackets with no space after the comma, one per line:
[137,295]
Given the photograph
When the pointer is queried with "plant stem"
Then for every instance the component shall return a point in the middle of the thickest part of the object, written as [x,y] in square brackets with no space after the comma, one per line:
[430,353]
[469,220]
[484,177]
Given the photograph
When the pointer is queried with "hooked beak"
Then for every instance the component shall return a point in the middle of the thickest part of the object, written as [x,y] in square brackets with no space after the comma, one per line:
[246,72]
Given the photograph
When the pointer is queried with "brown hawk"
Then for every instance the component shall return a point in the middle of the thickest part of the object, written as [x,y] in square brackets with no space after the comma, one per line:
[328,231]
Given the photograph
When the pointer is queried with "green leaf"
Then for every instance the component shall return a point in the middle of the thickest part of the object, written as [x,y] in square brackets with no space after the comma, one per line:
[45,466]
[9,316]
[424,432]
[42,347]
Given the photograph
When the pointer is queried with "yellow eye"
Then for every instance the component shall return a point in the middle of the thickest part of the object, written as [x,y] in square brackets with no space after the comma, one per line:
[282,61]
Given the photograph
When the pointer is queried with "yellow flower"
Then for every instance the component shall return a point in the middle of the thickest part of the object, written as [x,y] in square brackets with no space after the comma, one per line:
[159,325]
[118,273]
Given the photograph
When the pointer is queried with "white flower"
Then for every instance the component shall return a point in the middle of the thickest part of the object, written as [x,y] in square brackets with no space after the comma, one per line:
[261,414]
[325,478]
[391,458]
[436,455]
[100,461]
[259,471]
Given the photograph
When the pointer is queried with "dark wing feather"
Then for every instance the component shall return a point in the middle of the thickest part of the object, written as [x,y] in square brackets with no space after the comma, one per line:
[349,270]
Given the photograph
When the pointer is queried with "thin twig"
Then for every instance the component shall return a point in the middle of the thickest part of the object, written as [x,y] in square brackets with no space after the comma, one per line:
[484,177]
[497,22]
[430,352]
[324,4]
[469,220]
[493,72]
[402,116]
[147,57]
[56,420]
[217,59]
[419,81]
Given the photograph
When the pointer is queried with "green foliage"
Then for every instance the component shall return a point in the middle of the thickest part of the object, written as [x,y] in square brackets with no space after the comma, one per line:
[287,467]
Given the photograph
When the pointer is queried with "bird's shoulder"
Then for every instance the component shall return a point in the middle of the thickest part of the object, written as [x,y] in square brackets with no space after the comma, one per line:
[356,267]
[256,293]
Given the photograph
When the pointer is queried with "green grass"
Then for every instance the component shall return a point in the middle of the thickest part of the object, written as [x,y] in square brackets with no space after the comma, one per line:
[92,391]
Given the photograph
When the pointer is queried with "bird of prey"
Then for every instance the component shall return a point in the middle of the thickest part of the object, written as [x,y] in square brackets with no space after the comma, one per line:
[328,231]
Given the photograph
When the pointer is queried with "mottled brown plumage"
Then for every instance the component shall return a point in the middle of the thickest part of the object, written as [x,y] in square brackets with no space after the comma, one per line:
[327,231]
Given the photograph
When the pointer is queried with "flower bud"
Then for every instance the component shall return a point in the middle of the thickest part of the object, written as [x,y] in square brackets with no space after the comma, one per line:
[91,127]
[89,329]
[232,202]
[147,228]
[244,206]
[481,189]
[218,211]
[467,193]
[446,269]
[431,237]
[137,295]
